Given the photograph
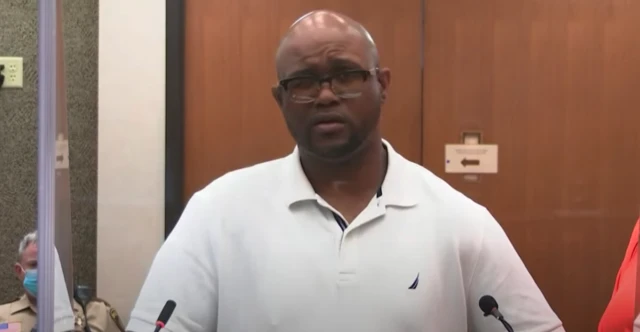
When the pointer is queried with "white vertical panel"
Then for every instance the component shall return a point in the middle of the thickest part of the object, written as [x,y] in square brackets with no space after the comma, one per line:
[131,140]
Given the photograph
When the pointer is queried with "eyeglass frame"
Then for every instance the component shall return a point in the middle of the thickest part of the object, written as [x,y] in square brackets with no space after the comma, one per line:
[366,74]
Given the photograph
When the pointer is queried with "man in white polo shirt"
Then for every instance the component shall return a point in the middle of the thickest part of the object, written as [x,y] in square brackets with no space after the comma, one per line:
[344,234]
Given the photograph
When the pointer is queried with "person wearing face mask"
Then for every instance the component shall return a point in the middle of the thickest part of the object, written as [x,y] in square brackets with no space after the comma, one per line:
[94,316]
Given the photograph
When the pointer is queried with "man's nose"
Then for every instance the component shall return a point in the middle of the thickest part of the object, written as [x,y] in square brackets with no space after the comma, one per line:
[326,96]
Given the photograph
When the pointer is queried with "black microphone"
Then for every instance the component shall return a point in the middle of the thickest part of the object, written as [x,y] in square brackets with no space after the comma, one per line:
[165,314]
[489,306]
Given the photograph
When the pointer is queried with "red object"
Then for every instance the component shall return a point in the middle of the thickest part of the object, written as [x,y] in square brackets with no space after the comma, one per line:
[620,313]
[160,324]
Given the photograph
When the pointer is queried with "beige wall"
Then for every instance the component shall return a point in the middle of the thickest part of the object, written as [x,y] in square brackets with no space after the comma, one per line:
[131,115]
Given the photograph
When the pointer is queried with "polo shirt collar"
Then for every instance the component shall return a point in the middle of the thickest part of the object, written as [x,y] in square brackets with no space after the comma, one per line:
[398,187]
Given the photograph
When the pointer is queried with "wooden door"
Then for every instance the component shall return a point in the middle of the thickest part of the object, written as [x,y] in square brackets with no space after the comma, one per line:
[555,85]
[231,120]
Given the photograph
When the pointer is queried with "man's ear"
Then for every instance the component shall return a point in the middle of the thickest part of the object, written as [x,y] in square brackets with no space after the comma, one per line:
[17,269]
[276,92]
[384,79]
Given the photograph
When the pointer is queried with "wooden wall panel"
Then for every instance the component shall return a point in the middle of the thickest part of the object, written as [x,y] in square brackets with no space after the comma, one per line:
[554,84]
[231,119]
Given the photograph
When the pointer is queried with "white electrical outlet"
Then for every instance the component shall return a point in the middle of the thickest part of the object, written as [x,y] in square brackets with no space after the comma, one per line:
[12,72]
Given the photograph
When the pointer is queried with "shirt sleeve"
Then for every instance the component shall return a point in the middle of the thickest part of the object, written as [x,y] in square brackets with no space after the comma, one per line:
[500,272]
[619,313]
[183,271]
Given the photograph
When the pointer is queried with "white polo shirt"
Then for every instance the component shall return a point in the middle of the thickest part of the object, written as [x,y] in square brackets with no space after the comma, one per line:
[258,250]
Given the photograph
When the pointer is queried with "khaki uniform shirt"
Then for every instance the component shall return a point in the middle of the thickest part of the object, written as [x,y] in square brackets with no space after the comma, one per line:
[100,316]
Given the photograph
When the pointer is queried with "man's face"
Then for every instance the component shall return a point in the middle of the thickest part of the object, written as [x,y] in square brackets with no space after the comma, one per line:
[28,261]
[335,118]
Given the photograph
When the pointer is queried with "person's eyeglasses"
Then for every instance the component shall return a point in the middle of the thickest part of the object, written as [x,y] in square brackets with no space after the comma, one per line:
[346,84]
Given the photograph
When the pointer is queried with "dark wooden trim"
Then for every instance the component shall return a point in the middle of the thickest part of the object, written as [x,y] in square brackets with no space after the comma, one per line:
[174,108]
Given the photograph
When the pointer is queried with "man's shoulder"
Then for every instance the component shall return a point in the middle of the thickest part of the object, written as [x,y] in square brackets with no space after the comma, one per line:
[443,200]
[20,301]
[101,310]
[98,304]
[95,304]
[247,179]
[7,305]
[5,309]
[16,299]
[19,307]
[436,188]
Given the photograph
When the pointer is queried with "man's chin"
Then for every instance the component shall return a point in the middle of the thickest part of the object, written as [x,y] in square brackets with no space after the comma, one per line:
[336,152]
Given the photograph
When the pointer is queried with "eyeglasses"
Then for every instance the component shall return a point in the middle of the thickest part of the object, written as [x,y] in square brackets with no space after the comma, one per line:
[346,84]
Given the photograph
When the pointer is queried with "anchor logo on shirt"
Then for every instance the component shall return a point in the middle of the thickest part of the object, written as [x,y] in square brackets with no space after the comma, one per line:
[414,285]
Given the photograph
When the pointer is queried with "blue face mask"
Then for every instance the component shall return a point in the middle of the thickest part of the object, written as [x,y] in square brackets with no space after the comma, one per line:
[30,282]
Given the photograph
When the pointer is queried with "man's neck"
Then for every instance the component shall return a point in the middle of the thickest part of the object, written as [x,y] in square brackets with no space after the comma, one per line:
[32,300]
[361,174]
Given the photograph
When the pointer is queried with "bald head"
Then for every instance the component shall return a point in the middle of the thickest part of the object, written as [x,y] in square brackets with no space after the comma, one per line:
[322,26]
